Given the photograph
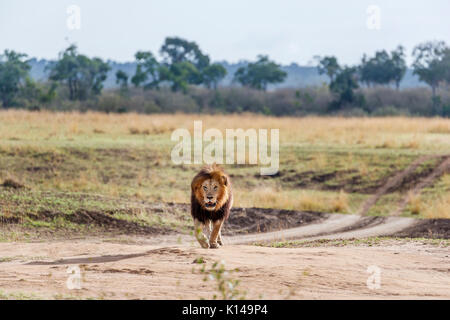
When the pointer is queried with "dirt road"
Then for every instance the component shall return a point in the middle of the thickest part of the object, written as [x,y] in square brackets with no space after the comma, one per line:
[162,267]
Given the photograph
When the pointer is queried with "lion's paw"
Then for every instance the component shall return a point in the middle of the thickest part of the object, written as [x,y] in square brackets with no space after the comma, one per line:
[214,245]
[204,244]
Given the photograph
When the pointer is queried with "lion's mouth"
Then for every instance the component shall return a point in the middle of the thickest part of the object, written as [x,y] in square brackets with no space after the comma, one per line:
[210,204]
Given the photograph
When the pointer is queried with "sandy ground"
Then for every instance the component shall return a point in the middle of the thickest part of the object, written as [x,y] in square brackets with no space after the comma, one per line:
[141,269]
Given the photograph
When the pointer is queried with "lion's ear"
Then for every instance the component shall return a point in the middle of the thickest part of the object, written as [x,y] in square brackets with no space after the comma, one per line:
[225,180]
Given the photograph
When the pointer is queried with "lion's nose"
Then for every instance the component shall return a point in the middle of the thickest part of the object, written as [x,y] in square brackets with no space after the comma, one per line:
[209,197]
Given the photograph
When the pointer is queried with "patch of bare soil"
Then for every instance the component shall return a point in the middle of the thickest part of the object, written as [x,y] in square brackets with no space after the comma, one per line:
[430,228]
[129,271]
[348,180]
[102,220]
[252,220]
[241,221]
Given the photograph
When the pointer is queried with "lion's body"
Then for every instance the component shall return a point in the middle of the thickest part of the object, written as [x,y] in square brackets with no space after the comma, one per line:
[211,202]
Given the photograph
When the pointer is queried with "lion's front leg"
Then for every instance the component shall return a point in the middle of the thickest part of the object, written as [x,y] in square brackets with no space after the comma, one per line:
[215,234]
[201,238]
[207,229]
[219,238]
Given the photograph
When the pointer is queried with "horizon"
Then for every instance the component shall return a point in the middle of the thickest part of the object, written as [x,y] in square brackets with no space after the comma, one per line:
[296,34]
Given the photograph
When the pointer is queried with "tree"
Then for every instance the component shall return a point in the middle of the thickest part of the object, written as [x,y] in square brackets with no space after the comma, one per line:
[183,63]
[179,75]
[176,50]
[432,64]
[344,84]
[122,81]
[376,70]
[13,72]
[399,65]
[147,68]
[83,76]
[212,75]
[383,68]
[259,74]
[329,66]
[35,93]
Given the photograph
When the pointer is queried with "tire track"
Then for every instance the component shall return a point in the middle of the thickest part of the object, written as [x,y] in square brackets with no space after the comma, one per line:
[390,226]
[436,173]
[333,223]
[337,226]
[393,182]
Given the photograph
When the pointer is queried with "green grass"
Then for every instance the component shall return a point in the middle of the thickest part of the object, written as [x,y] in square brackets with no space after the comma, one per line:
[19,296]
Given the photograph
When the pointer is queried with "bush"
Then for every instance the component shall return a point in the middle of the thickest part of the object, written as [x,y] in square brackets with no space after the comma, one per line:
[389,111]
[379,101]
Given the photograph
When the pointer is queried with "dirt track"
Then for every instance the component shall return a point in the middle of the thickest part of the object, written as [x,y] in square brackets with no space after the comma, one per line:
[141,271]
[161,267]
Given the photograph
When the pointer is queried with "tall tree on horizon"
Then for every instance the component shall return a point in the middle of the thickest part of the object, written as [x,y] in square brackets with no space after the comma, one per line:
[343,86]
[212,75]
[328,65]
[13,72]
[384,68]
[432,64]
[399,65]
[83,76]
[259,74]
[147,70]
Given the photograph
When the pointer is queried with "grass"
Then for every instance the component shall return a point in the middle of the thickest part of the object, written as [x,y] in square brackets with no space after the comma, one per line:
[112,163]
[368,242]
[19,296]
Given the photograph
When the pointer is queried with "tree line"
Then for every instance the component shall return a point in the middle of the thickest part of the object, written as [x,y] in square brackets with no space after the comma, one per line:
[183,65]
[431,64]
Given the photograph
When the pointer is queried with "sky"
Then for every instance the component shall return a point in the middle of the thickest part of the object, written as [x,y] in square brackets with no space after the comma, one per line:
[289,31]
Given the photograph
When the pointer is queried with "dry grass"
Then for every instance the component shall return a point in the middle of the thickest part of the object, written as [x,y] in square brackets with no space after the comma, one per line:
[439,207]
[415,204]
[304,200]
[395,132]
[370,147]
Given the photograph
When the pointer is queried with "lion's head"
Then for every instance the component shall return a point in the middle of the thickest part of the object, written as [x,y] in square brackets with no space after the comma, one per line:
[210,187]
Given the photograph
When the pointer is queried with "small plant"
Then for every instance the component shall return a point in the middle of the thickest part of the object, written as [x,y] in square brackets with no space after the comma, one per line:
[199,260]
[12,183]
[414,203]
[226,286]
[134,130]
[340,204]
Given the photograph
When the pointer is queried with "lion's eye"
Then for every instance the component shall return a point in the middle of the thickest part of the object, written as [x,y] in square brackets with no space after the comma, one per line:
[215,187]
[204,188]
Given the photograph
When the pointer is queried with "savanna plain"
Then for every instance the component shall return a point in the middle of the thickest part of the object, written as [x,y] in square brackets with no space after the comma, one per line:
[99,192]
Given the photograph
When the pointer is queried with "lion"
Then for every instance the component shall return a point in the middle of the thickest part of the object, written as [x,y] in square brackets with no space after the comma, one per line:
[211,202]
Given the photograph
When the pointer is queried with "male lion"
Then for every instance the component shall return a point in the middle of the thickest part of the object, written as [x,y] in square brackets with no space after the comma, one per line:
[211,201]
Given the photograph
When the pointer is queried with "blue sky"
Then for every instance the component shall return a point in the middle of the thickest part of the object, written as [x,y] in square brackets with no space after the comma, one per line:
[288,31]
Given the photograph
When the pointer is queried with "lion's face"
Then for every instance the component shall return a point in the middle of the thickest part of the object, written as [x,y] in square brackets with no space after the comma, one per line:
[210,190]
